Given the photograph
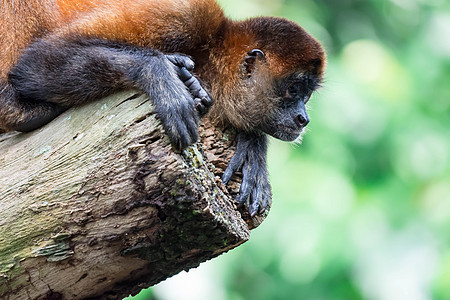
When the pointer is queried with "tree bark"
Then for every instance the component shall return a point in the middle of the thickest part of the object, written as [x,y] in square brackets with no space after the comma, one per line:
[98,205]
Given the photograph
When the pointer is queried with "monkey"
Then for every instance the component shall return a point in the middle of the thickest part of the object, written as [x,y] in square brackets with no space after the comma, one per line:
[253,75]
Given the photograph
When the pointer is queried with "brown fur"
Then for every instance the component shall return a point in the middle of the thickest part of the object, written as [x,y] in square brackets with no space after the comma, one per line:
[200,29]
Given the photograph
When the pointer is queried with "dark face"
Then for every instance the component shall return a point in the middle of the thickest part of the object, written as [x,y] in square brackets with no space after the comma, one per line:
[292,93]
[288,49]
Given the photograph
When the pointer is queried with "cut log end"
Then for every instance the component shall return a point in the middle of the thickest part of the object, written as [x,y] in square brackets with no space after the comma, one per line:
[97,204]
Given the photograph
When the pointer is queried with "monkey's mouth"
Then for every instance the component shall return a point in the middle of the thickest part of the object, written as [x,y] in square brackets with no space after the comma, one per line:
[287,133]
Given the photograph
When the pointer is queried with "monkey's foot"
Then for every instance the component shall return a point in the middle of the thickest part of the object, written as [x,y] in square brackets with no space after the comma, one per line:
[255,188]
[184,66]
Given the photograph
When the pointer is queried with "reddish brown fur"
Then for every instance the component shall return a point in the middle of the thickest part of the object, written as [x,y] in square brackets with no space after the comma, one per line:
[246,106]
[19,23]
[200,29]
[138,22]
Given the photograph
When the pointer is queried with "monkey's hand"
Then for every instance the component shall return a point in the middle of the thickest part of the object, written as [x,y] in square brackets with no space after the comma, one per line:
[178,97]
[184,65]
[255,189]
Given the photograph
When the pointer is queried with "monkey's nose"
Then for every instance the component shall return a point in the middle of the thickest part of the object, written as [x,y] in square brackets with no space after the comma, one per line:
[302,120]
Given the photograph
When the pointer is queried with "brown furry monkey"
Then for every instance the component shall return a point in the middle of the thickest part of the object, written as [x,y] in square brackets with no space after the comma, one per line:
[260,72]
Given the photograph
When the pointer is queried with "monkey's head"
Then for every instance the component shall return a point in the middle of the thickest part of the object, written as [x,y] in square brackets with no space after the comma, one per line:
[275,66]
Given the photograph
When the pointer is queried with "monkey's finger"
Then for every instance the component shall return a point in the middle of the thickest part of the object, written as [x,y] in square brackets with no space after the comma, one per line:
[235,163]
[201,108]
[207,101]
[182,138]
[192,127]
[244,195]
[203,105]
[203,98]
[256,200]
[186,76]
[227,175]
[196,90]
[188,115]
[248,182]
[178,140]
[193,85]
[237,160]
[265,198]
[180,125]
[181,61]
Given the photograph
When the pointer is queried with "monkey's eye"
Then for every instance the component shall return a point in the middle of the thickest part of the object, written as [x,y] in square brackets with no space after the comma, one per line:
[291,91]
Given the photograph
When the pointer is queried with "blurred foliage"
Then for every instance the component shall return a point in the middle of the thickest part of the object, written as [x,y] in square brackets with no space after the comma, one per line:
[361,209]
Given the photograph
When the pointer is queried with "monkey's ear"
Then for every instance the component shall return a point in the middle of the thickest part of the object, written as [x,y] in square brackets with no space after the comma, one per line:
[250,60]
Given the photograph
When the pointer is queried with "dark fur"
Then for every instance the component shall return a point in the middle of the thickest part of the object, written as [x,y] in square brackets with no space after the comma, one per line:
[77,70]
[251,157]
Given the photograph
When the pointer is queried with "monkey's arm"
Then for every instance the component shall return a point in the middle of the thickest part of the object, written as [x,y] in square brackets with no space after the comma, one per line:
[24,116]
[61,73]
[251,154]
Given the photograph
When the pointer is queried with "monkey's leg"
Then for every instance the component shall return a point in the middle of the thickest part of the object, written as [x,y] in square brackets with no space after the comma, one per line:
[21,115]
[71,71]
[251,152]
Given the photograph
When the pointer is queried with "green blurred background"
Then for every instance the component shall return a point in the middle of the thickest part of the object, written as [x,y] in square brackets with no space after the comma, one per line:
[361,209]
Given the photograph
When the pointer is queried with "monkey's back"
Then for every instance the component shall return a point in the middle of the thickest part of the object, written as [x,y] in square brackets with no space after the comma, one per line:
[20,21]
[167,25]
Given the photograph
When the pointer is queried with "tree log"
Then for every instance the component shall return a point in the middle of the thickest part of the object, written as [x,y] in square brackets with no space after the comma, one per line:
[98,205]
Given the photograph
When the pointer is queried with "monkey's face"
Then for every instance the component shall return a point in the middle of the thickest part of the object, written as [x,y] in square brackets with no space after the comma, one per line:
[259,100]
[285,67]
[290,117]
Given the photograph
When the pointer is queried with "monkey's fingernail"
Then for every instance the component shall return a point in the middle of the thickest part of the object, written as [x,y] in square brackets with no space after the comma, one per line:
[206,101]
[252,212]
[189,65]
[200,108]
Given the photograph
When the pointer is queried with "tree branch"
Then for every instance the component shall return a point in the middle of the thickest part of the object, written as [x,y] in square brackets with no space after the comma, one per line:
[97,204]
